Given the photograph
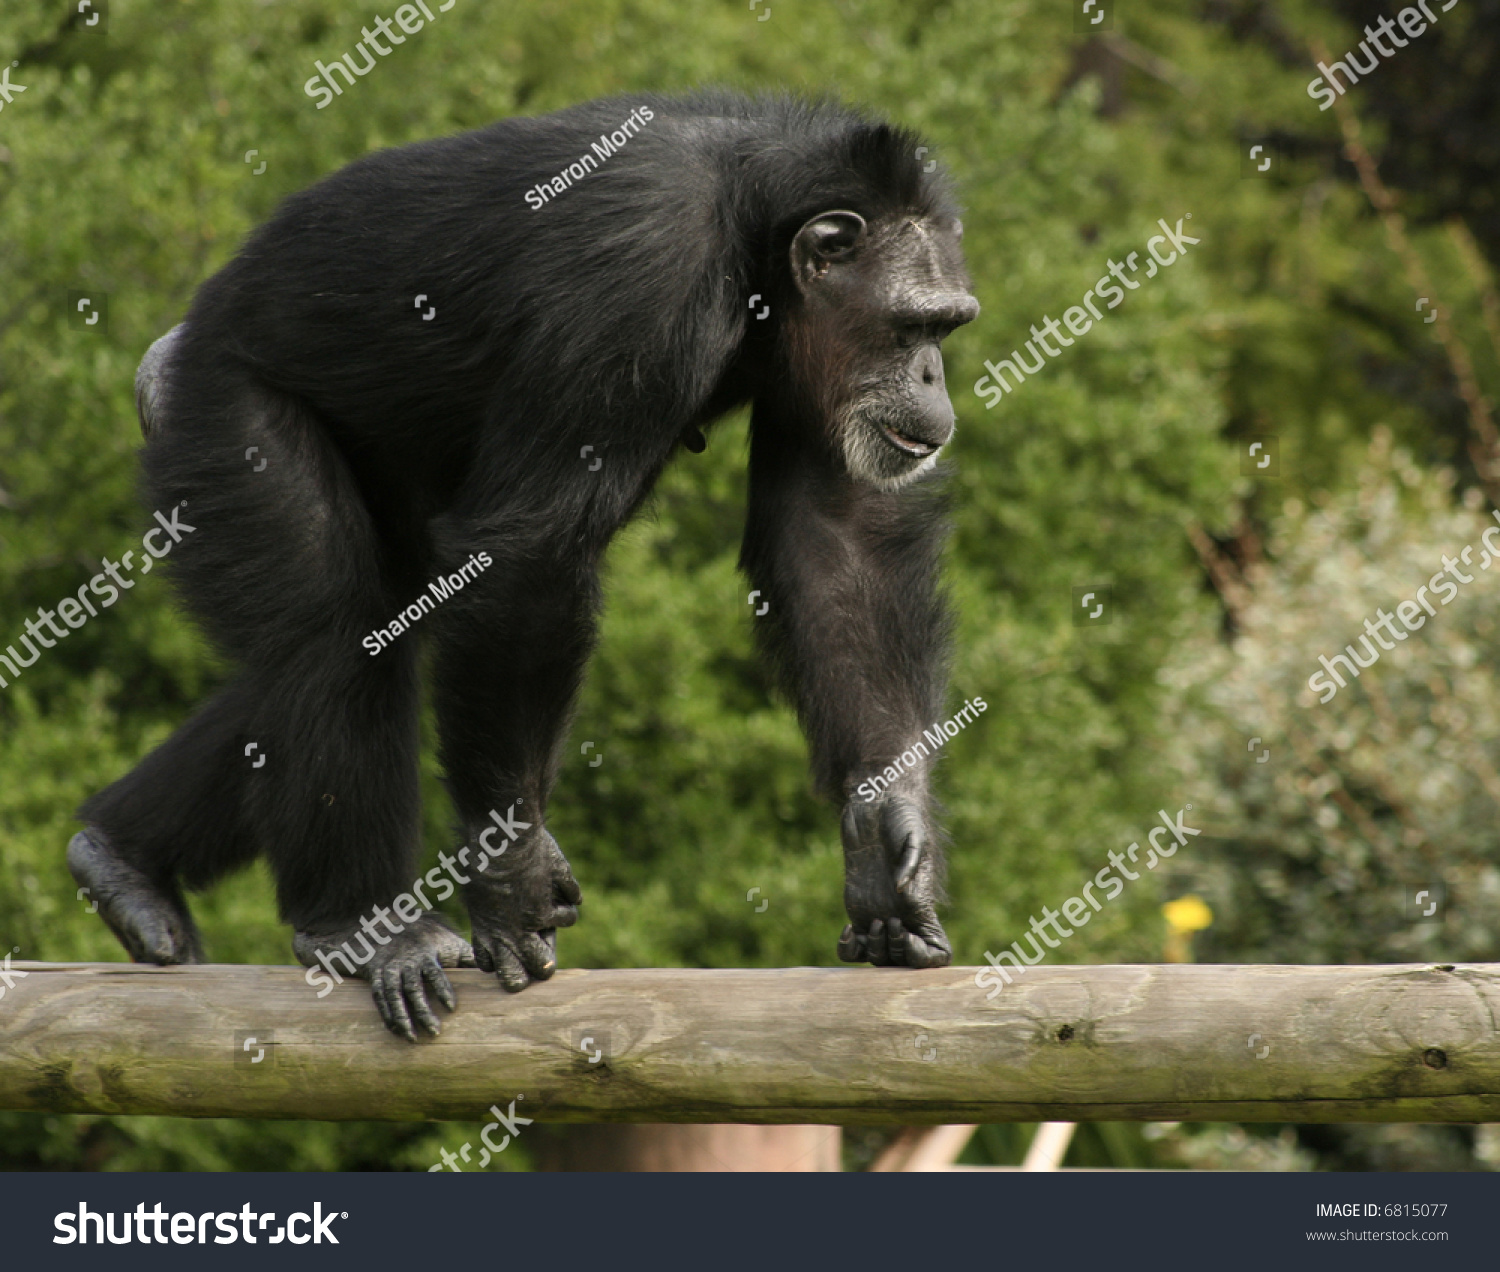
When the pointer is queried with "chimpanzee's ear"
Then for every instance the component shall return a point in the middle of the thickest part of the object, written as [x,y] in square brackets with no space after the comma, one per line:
[830,238]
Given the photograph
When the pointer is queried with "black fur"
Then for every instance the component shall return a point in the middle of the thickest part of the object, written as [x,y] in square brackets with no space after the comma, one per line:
[614,317]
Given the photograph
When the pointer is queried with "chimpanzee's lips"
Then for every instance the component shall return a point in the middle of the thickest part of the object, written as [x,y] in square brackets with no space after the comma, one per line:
[910,445]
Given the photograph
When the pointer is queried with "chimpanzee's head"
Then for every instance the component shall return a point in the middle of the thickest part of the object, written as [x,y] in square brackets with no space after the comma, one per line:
[877,299]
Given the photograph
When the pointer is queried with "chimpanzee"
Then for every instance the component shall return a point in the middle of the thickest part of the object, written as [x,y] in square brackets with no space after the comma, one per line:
[414,409]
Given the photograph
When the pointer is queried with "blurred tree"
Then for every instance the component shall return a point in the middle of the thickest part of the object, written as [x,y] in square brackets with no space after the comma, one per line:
[1441,115]
[1361,828]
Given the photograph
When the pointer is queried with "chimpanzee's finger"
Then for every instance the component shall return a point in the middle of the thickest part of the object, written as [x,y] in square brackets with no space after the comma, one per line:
[851,945]
[508,967]
[538,953]
[414,995]
[438,983]
[386,986]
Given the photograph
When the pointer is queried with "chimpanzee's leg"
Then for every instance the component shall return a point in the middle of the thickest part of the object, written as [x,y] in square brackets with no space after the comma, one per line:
[511,651]
[310,755]
[860,634]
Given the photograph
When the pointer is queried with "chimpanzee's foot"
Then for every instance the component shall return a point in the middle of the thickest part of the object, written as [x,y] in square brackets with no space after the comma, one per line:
[402,973]
[151,922]
[516,904]
[890,886]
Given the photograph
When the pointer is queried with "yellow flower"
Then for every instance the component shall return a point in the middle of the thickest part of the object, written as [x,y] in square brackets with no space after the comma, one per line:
[1187,914]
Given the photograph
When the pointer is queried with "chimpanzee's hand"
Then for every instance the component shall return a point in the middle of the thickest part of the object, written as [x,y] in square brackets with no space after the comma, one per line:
[516,904]
[891,885]
[402,973]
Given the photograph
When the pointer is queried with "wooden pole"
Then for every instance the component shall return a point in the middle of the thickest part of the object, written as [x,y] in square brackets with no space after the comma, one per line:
[674,1147]
[1405,1043]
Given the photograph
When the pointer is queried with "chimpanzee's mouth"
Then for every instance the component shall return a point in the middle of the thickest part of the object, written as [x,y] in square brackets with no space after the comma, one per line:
[909,445]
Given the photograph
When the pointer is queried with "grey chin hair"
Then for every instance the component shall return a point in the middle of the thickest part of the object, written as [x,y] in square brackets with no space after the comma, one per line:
[870,458]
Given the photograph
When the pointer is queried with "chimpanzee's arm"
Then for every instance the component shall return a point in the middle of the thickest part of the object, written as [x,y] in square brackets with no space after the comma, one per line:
[856,625]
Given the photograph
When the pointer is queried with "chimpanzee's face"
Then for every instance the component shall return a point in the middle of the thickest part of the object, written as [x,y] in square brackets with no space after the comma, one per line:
[878,300]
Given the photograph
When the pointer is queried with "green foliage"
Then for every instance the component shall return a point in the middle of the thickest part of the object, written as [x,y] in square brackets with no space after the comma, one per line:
[1392,783]
[122,170]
